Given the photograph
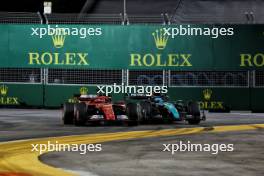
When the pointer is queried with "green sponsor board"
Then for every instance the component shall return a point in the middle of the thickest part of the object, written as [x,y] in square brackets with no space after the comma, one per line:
[208,98]
[133,47]
[56,95]
[21,95]
[215,98]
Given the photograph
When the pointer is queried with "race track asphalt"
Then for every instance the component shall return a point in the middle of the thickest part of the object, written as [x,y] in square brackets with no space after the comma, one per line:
[16,124]
[145,157]
[134,152]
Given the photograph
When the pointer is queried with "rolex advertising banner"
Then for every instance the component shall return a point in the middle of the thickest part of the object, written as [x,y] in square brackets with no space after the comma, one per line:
[174,47]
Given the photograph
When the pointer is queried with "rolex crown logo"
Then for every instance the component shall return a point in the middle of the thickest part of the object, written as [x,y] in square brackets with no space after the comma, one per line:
[83,90]
[3,90]
[58,40]
[160,38]
[207,93]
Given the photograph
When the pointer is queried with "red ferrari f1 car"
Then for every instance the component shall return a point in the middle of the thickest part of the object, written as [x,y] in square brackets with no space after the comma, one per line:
[95,109]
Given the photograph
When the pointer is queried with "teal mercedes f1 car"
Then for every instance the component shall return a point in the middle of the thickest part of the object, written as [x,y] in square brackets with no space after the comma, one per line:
[158,107]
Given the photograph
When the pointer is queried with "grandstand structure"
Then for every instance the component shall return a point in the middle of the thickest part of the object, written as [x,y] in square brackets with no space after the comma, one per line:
[180,12]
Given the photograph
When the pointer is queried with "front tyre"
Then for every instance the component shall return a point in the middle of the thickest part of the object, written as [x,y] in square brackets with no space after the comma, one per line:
[80,113]
[67,113]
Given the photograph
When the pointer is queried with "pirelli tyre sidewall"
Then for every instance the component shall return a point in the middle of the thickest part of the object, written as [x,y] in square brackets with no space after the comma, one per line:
[80,113]
[194,110]
[132,113]
[68,113]
[145,107]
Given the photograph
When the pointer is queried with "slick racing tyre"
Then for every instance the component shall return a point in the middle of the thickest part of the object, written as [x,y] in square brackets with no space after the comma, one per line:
[194,121]
[132,113]
[79,114]
[194,110]
[67,113]
[145,110]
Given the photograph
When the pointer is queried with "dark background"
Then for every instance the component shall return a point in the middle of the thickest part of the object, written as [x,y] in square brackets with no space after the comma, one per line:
[95,6]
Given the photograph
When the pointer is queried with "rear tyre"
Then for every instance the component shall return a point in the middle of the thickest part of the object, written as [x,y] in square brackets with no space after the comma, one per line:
[79,114]
[67,113]
[132,113]
[194,121]
[194,110]
[145,110]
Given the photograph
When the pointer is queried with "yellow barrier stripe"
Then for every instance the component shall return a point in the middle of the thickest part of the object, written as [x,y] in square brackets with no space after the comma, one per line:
[17,157]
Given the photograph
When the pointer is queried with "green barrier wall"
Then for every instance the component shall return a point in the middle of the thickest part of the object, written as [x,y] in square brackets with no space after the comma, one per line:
[56,95]
[21,95]
[235,98]
[133,47]
[256,99]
